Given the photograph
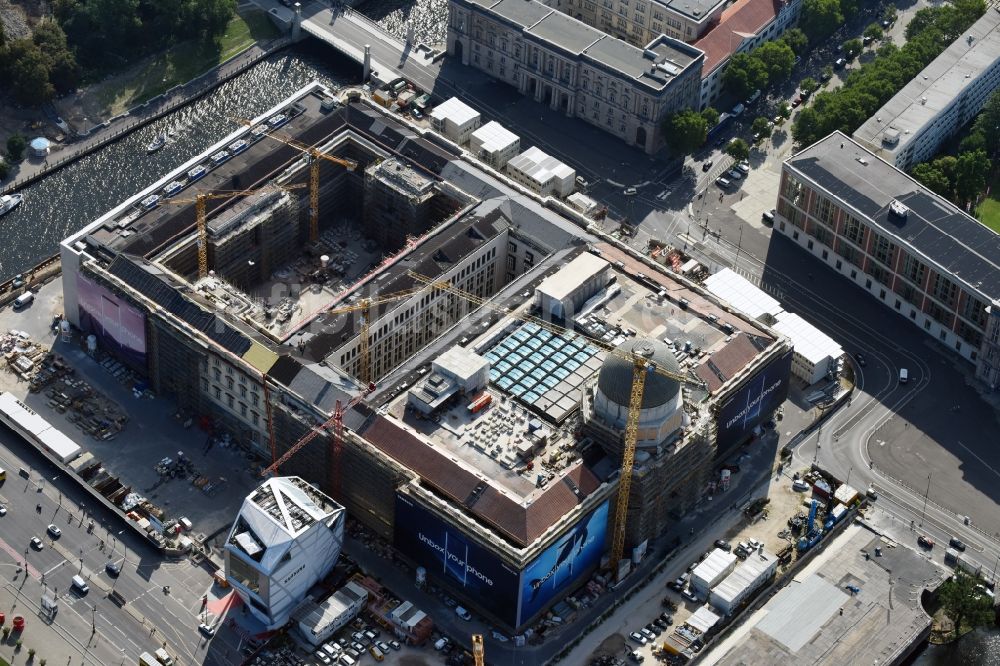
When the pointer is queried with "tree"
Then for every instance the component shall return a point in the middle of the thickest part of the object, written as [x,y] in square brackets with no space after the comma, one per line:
[874,31]
[711,116]
[64,73]
[744,74]
[808,85]
[808,127]
[778,58]
[974,140]
[971,174]
[827,72]
[4,169]
[852,47]
[963,603]
[785,111]
[987,124]
[796,40]
[761,126]
[933,178]
[890,13]
[688,130]
[820,18]
[738,150]
[16,145]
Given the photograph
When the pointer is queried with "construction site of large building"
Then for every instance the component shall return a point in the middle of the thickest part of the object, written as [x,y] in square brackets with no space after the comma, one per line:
[507,396]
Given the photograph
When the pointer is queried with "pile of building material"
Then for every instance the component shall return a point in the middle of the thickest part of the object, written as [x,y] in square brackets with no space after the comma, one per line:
[92,412]
[23,356]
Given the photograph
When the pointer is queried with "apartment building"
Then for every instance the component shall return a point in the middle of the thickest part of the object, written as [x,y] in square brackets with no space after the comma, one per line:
[571,67]
[912,250]
[743,26]
[939,101]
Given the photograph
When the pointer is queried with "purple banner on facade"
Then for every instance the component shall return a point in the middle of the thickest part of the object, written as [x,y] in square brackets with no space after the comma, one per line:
[120,327]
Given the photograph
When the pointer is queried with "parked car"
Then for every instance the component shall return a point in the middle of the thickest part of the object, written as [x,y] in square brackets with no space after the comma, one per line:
[723,545]
[322,657]
[689,595]
[743,167]
[206,629]
[768,216]
[667,618]
[956,544]
[636,656]
[839,63]
[723,183]
[676,585]
[796,101]
[395,645]
[925,541]
[734,174]
[652,628]
[18,623]
[638,638]
[706,165]
[647,633]
[799,485]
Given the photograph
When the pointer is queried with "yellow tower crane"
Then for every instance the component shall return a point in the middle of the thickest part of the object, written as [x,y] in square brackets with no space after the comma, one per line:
[642,366]
[337,420]
[364,306]
[478,652]
[315,155]
[200,200]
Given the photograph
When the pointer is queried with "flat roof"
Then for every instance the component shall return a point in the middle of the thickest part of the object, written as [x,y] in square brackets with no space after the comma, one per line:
[947,238]
[654,66]
[540,166]
[696,10]
[810,342]
[495,136]
[716,562]
[742,294]
[455,110]
[935,89]
[803,623]
[562,283]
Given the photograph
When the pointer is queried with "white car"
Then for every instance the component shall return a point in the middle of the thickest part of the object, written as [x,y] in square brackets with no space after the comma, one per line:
[637,637]
[321,656]
[3,510]
[734,174]
[744,168]
[205,629]
[36,543]
[54,531]
[799,485]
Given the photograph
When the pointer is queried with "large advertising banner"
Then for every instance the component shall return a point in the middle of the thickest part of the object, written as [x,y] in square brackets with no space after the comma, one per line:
[754,402]
[120,328]
[446,552]
[559,566]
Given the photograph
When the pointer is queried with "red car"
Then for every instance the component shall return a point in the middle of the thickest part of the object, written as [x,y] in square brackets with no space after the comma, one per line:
[925,541]
[796,102]
[18,623]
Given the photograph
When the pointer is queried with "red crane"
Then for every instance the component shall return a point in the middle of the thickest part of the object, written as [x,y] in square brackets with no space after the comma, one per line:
[337,421]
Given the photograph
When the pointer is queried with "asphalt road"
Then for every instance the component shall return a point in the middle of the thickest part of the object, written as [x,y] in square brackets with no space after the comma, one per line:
[151,616]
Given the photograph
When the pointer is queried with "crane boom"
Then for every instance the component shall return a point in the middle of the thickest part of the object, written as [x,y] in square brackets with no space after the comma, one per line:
[338,415]
[200,207]
[315,155]
[639,372]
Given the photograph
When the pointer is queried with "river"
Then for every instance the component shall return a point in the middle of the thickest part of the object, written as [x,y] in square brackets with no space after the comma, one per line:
[979,648]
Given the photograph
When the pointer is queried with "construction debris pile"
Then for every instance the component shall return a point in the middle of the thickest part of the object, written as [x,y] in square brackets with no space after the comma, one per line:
[24,357]
[183,468]
[92,412]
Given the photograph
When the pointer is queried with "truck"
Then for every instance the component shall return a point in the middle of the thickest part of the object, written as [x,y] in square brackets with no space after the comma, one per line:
[724,121]
[146,659]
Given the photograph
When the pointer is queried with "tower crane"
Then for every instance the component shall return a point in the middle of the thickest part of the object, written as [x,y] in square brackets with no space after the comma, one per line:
[200,200]
[315,155]
[478,653]
[642,366]
[337,420]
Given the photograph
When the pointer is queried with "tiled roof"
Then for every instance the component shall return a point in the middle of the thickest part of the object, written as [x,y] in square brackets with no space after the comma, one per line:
[724,364]
[744,18]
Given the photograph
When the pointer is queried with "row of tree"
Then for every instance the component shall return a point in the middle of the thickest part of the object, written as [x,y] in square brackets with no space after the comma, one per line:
[866,89]
[37,67]
[769,64]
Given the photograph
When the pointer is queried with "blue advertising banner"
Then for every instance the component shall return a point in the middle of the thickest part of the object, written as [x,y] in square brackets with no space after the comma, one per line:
[559,566]
[448,553]
[754,402]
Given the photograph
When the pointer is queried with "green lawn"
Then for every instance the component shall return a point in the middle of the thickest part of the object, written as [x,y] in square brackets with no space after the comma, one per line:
[989,214]
[183,62]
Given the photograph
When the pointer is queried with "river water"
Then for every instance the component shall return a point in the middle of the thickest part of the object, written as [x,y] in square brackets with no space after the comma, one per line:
[979,648]
[68,199]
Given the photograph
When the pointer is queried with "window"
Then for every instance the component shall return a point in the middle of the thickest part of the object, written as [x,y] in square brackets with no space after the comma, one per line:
[853,230]
[868,284]
[914,270]
[823,211]
[243,391]
[809,244]
[254,418]
[944,289]
[229,400]
[218,393]
[243,409]
[218,374]
[254,399]
[884,250]
[899,303]
[839,264]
